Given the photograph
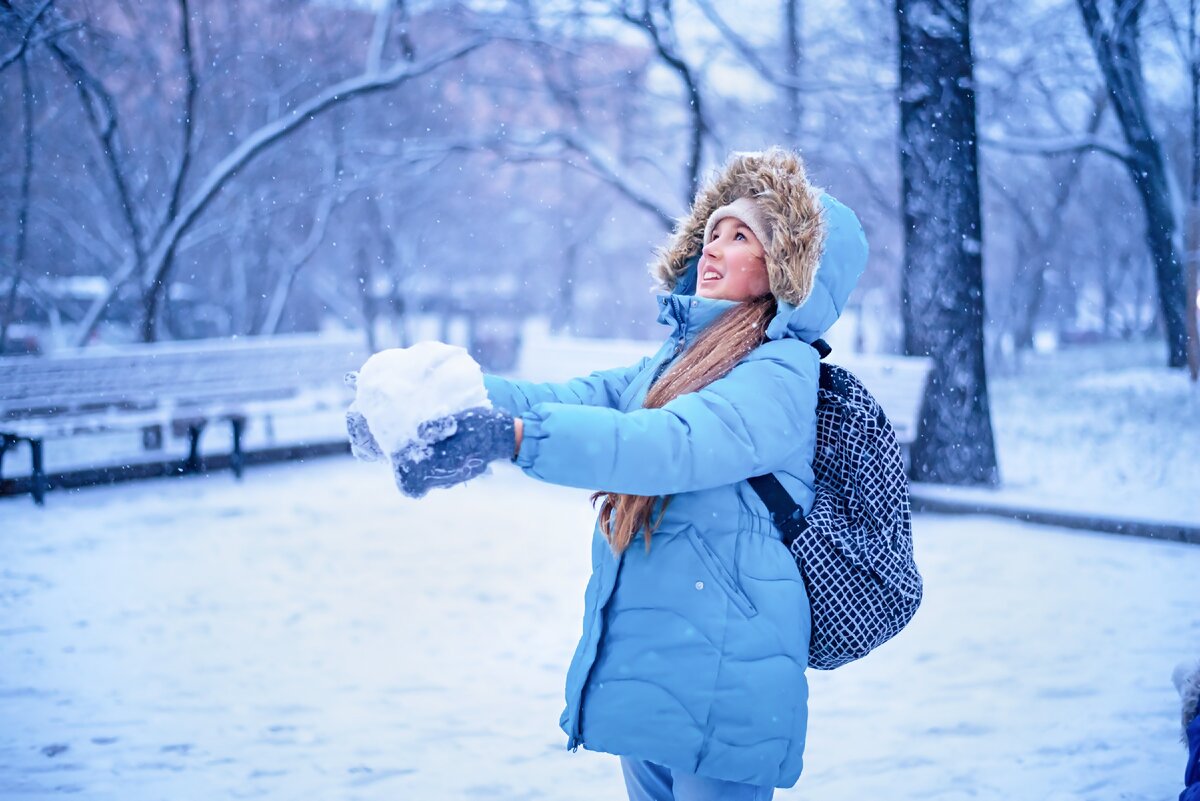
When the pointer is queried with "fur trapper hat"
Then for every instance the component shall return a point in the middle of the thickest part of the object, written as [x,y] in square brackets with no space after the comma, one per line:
[789,208]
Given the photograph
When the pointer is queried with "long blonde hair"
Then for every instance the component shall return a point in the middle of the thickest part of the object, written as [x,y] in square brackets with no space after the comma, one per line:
[722,345]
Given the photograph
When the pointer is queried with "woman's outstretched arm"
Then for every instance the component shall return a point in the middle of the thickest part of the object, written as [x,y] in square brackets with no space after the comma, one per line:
[601,388]
[757,419]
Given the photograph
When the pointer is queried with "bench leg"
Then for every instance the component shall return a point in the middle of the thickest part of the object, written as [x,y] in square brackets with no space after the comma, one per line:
[37,483]
[6,441]
[192,465]
[237,459]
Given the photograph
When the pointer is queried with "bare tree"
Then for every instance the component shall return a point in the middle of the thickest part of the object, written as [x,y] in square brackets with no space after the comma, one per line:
[1187,40]
[1193,220]
[942,288]
[1117,49]
[657,19]
[155,234]
[158,261]
[10,301]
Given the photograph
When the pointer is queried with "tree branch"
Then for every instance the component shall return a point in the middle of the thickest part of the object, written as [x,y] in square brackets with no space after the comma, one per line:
[23,212]
[159,260]
[1057,147]
[101,114]
[379,35]
[749,54]
[595,163]
[27,37]
[189,109]
[668,52]
[299,257]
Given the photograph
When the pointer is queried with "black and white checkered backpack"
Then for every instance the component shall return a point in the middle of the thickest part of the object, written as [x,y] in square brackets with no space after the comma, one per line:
[854,548]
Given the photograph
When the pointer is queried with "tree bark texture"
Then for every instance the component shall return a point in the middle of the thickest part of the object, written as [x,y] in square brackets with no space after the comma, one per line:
[1192,241]
[10,301]
[942,296]
[1119,55]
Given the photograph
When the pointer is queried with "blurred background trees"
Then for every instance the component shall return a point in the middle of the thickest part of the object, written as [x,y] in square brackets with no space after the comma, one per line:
[179,170]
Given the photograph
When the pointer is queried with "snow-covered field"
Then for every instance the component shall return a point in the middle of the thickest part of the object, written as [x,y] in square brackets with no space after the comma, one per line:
[1105,430]
[310,633]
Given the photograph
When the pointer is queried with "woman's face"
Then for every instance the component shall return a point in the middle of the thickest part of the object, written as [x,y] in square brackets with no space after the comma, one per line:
[733,264]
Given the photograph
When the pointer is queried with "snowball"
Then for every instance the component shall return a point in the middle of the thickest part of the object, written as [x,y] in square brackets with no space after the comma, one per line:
[401,388]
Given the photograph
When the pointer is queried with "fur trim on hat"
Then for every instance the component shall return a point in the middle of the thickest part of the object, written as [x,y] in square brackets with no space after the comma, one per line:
[746,210]
[790,208]
[1187,681]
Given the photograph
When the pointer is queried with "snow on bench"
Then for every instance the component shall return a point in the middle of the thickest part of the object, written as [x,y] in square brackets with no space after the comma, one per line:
[898,384]
[184,385]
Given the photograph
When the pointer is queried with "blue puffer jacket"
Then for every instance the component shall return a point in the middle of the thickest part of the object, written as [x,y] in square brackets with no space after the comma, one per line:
[693,655]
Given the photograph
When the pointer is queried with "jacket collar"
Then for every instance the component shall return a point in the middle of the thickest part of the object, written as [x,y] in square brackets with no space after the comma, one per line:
[688,315]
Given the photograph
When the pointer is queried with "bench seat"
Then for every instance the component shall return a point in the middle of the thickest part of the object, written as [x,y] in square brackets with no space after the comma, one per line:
[182,386]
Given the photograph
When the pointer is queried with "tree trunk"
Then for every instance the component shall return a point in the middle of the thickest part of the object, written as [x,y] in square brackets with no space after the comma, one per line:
[1192,243]
[10,302]
[366,296]
[791,68]
[942,284]
[1193,290]
[1119,55]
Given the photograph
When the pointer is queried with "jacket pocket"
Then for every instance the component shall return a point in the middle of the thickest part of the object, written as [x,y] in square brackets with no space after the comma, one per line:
[720,573]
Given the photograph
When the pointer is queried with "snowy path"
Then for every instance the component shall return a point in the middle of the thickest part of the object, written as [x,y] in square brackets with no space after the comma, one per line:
[311,634]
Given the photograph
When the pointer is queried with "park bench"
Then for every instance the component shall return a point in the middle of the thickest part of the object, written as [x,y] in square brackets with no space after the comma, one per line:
[182,386]
[897,383]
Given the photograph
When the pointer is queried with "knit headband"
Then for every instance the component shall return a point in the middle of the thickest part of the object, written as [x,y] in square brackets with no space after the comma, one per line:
[746,210]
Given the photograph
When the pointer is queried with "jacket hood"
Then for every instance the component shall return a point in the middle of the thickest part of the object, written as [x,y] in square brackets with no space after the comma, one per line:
[842,262]
[790,207]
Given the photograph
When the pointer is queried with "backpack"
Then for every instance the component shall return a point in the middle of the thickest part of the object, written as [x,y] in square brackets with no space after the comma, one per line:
[854,549]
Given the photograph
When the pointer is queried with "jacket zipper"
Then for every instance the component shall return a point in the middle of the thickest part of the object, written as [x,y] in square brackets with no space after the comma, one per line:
[577,730]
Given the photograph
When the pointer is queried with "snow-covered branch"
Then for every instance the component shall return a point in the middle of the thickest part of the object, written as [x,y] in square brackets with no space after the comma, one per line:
[27,37]
[187,123]
[1057,146]
[749,53]
[158,262]
[562,147]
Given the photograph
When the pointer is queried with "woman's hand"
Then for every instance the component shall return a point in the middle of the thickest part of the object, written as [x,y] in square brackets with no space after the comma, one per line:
[470,440]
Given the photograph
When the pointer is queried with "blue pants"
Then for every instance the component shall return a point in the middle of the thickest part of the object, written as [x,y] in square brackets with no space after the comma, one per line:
[646,781]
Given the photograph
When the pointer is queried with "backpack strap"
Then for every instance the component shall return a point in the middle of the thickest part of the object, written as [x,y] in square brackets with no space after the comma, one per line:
[785,513]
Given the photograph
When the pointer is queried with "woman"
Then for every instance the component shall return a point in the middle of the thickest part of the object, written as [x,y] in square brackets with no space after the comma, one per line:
[695,634]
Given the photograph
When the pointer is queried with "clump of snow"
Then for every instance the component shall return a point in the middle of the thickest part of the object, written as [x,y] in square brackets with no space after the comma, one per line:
[400,389]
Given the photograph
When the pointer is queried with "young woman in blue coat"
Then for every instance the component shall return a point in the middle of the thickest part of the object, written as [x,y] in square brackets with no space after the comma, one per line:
[696,623]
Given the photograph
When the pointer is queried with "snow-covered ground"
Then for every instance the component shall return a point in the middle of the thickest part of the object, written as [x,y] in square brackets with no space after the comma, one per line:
[309,633]
[1105,430]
